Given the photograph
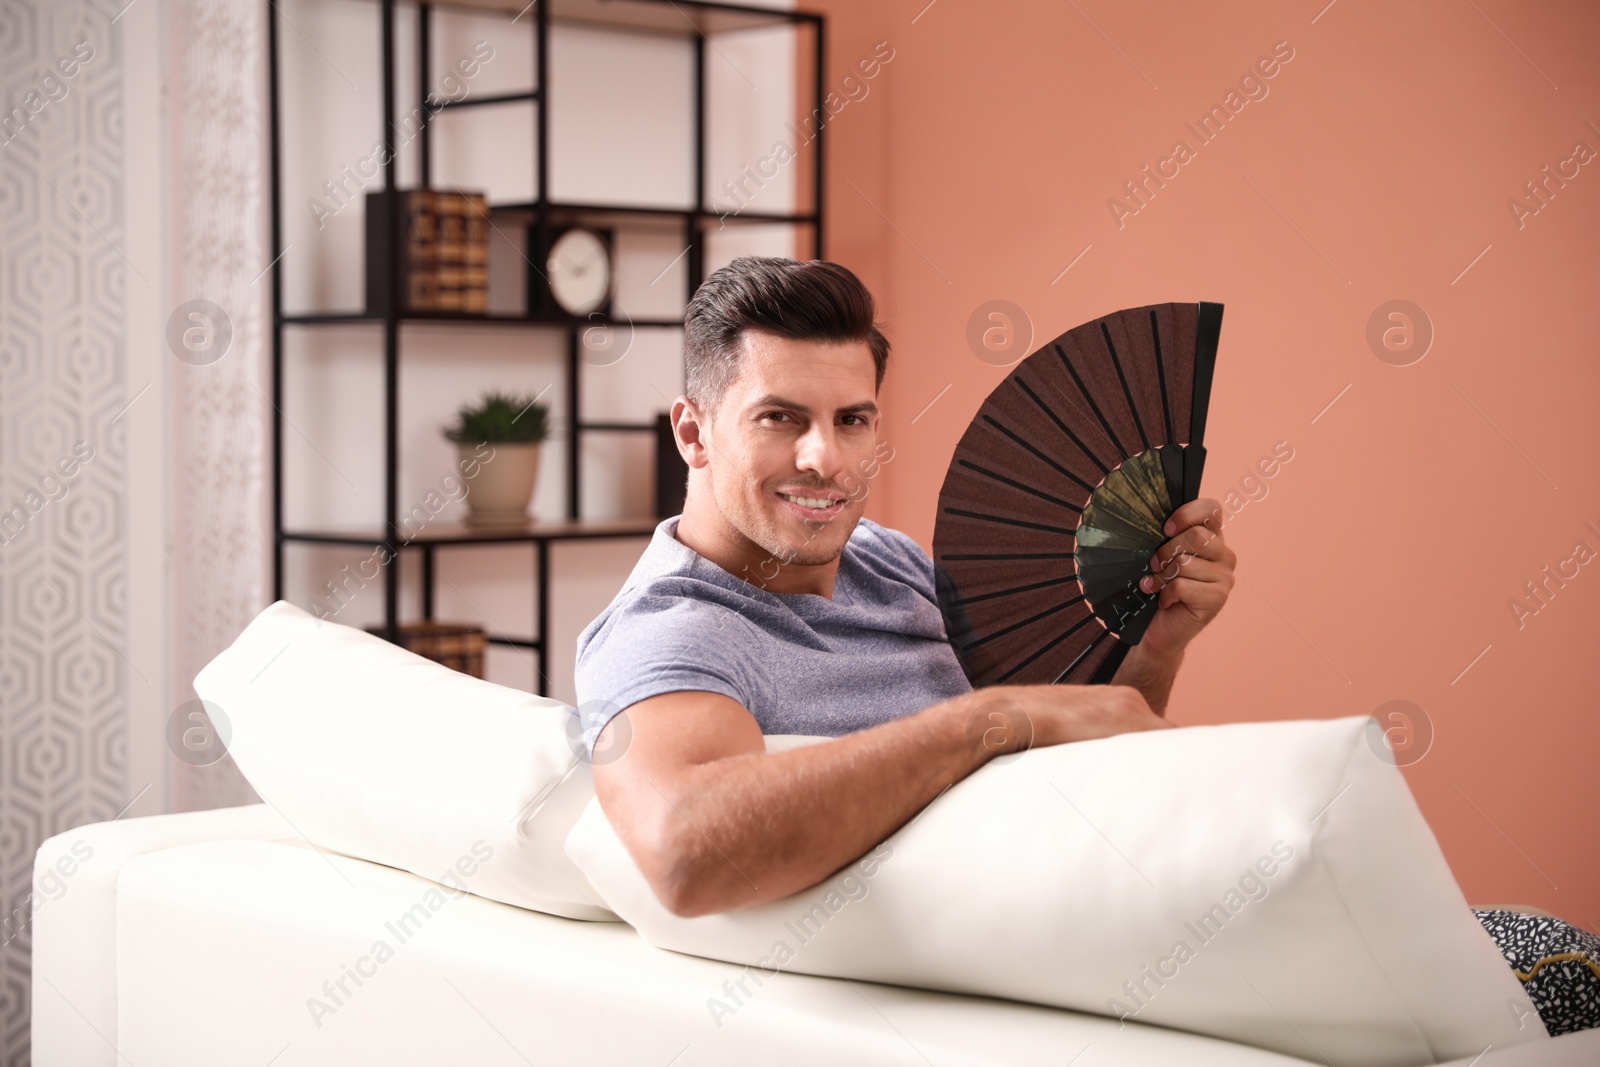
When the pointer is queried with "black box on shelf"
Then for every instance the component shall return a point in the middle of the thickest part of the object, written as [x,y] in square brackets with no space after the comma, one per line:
[672,473]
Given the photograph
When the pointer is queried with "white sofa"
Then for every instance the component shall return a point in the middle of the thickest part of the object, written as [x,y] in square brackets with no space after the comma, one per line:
[221,937]
[432,880]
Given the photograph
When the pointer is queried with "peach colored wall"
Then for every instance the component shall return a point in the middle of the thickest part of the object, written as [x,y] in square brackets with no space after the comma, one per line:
[1383,558]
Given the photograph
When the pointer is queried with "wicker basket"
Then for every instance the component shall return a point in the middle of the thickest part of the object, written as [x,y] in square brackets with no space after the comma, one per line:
[457,645]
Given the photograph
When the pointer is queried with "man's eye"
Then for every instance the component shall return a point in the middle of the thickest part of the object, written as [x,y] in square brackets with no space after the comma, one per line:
[777,415]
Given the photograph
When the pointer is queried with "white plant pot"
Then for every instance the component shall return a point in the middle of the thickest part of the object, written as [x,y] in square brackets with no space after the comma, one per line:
[503,487]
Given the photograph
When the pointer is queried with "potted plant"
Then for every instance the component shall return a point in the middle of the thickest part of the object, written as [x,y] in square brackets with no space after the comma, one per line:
[500,437]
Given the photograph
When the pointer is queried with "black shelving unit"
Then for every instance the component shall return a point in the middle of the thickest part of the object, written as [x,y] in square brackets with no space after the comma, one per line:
[694,21]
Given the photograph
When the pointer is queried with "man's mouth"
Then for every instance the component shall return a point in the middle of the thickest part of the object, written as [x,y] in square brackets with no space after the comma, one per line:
[819,506]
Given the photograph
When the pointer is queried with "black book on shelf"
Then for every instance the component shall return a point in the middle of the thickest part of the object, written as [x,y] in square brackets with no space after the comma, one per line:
[461,252]
[411,249]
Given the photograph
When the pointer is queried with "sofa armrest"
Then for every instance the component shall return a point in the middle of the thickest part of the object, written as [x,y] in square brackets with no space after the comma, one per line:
[73,914]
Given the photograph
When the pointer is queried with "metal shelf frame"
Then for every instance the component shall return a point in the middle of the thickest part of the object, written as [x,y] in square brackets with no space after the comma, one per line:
[690,20]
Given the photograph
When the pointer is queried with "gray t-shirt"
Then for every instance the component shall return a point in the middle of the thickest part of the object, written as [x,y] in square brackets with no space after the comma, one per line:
[800,662]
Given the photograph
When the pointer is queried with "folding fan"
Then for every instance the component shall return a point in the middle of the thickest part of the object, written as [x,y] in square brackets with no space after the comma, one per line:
[1057,494]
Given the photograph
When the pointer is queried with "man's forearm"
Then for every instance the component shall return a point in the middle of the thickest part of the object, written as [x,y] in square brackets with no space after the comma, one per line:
[1150,673]
[760,826]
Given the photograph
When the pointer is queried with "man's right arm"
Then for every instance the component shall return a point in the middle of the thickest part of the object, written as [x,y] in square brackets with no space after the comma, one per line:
[715,822]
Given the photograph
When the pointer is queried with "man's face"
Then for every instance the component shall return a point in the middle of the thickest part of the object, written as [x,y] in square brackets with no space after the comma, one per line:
[799,421]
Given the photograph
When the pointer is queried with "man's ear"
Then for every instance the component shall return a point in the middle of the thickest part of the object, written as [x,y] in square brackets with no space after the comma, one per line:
[689,429]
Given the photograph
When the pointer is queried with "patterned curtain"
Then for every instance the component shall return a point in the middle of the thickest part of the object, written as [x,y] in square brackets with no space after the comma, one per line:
[221,433]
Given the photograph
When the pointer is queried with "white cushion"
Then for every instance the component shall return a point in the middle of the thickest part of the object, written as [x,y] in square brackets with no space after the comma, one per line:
[1270,883]
[373,751]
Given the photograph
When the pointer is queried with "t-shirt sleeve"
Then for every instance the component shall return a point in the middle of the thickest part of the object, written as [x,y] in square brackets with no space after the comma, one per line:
[916,564]
[656,643]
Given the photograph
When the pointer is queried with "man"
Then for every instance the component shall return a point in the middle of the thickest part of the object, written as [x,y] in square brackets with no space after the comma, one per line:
[772,606]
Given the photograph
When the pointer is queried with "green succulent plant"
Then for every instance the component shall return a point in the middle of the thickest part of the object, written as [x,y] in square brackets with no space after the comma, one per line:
[501,419]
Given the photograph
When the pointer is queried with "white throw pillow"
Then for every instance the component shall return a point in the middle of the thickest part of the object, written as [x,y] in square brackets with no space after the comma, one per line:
[373,751]
[1273,884]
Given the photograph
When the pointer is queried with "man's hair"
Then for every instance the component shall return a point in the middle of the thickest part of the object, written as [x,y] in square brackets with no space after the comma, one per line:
[811,301]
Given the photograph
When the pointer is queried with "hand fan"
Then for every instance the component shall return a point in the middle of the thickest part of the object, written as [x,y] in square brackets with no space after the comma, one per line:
[1057,494]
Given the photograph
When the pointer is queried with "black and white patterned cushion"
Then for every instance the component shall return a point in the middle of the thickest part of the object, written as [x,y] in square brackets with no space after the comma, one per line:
[1558,963]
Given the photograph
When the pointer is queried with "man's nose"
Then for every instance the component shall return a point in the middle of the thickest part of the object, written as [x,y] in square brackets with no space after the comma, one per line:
[819,451]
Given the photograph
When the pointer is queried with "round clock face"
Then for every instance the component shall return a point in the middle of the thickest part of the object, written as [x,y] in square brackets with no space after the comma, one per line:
[579,269]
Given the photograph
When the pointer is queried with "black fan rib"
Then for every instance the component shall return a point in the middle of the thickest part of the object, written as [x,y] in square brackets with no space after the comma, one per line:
[1073,665]
[1048,645]
[1009,432]
[1041,494]
[1011,522]
[1122,452]
[1127,394]
[1161,378]
[965,557]
[1029,621]
[1014,590]
[1048,410]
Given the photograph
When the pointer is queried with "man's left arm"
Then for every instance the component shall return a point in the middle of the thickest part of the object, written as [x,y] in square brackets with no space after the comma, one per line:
[1192,575]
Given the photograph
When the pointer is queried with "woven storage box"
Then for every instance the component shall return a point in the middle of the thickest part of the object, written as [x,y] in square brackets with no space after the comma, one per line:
[455,644]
